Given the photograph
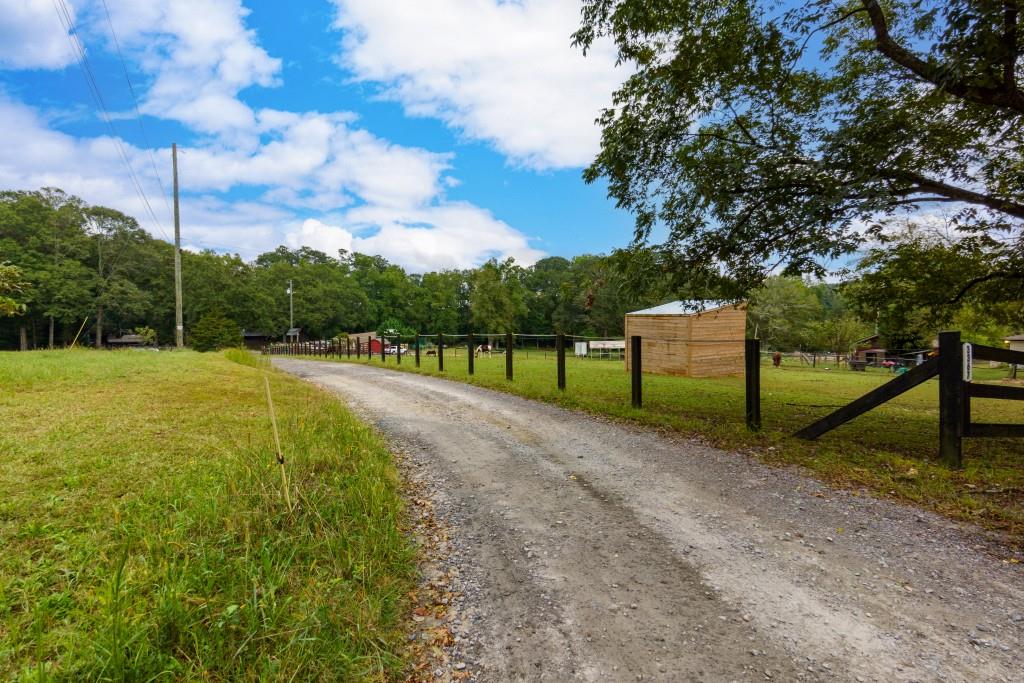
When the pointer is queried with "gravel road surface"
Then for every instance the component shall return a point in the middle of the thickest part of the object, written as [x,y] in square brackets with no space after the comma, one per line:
[581,549]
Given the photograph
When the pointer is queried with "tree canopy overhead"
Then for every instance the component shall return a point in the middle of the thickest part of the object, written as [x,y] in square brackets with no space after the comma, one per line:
[763,135]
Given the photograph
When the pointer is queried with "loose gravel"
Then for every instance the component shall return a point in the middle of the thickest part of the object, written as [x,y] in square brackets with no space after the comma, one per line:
[573,548]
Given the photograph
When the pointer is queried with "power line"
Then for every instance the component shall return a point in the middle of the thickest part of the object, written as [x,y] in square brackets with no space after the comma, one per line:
[64,15]
[135,103]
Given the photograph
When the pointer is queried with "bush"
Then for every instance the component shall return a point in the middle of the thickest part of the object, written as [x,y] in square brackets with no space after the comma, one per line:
[215,331]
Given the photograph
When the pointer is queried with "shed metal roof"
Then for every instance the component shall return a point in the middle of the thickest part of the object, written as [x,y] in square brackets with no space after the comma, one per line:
[689,307]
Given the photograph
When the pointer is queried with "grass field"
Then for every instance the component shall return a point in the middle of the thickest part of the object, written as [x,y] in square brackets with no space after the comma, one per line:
[890,451]
[144,536]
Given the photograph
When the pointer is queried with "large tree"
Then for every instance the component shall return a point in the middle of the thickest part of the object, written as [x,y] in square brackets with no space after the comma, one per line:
[763,137]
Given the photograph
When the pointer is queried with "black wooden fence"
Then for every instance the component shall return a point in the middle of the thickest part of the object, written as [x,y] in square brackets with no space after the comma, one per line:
[950,365]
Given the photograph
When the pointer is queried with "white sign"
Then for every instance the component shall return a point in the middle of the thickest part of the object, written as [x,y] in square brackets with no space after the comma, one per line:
[581,348]
[968,362]
[609,344]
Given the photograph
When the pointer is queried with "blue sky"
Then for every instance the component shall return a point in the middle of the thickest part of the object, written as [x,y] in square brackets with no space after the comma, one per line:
[437,134]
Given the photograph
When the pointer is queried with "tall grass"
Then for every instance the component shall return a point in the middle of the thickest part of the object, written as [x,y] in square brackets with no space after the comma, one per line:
[143,533]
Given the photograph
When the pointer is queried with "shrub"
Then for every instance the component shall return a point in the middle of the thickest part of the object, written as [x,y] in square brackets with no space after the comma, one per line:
[215,331]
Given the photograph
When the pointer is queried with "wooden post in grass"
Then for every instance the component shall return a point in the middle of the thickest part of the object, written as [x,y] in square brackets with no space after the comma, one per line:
[509,341]
[440,352]
[560,360]
[951,399]
[636,368]
[398,350]
[417,350]
[382,358]
[469,357]
[277,445]
[359,348]
[348,347]
[752,375]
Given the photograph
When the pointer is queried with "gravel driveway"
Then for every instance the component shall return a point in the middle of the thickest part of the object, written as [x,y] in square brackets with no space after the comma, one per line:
[587,550]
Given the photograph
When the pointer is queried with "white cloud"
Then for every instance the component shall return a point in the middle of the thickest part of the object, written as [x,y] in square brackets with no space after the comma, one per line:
[326,238]
[370,195]
[32,36]
[445,236]
[503,72]
[199,55]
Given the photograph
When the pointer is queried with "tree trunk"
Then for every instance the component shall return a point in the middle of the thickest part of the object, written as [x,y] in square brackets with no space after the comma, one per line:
[51,332]
[22,338]
[99,328]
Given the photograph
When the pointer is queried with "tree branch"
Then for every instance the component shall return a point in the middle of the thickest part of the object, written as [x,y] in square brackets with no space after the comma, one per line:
[1006,97]
[955,193]
[974,282]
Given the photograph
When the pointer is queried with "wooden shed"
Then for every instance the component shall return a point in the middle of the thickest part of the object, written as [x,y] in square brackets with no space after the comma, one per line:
[677,340]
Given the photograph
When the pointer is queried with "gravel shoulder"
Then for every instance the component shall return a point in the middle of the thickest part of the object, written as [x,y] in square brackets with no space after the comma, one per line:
[586,550]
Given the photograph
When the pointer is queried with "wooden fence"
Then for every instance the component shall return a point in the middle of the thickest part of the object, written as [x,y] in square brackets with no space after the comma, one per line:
[952,367]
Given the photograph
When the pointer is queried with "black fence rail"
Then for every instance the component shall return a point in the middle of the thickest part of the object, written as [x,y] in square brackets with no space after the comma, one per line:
[382,347]
[952,366]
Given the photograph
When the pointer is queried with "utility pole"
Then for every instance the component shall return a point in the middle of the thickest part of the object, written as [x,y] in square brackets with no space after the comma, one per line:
[291,308]
[179,325]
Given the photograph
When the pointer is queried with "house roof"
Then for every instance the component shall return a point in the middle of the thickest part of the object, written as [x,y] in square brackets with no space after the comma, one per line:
[126,339]
[371,335]
[689,307]
[293,331]
[1016,337]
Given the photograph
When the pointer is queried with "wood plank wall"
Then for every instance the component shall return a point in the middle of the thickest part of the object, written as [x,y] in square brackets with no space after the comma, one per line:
[708,344]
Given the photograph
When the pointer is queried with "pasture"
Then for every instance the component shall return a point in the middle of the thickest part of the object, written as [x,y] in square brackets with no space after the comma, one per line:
[143,534]
[891,451]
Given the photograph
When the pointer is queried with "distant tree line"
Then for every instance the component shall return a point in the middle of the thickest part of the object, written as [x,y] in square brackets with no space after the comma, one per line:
[67,266]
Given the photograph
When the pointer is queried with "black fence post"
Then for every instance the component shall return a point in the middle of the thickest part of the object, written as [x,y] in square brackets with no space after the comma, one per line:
[382,358]
[359,348]
[417,350]
[752,375]
[509,341]
[440,352]
[636,367]
[348,347]
[951,399]
[560,358]
[399,350]
[471,354]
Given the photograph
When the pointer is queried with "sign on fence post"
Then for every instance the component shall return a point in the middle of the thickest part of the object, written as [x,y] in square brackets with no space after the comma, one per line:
[440,352]
[560,360]
[509,341]
[635,366]
[471,354]
[951,399]
[752,375]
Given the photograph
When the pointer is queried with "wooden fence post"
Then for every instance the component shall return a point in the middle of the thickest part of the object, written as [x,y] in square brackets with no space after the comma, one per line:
[348,348]
[359,348]
[382,358]
[509,341]
[469,357]
[560,360]
[399,350]
[417,351]
[752,375]
[951,399]
[440,352]
[637,369]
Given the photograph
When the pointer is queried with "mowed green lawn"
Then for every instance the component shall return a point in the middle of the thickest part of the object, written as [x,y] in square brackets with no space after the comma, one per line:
[144,536]
[889,451]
